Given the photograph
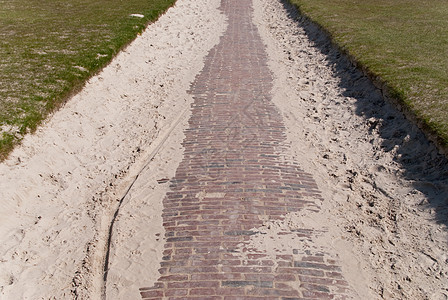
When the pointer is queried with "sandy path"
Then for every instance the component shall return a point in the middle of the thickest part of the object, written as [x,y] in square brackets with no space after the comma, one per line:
[59,190]
[233,216]
[388,186]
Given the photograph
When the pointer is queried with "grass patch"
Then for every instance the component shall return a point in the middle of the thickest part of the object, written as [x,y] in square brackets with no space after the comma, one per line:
[49,48]
[404,42]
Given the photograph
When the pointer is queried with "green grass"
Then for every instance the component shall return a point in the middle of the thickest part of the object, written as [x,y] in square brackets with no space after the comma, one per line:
[404,42]
[49,48]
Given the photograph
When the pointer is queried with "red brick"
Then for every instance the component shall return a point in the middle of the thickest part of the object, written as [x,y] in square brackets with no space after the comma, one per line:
[157,285]
[261,277]
[248,269]
[202,292]
[152,294]
[220,276]
[285,277]
[190,270]
[230,291]
[334,275]
[176,292]
[174,278]
[193,284]
[273,292]
[202,263]
[183,251]
[318,295]
[313,258]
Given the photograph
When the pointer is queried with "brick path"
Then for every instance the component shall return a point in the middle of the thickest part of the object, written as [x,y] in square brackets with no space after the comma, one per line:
[232,179]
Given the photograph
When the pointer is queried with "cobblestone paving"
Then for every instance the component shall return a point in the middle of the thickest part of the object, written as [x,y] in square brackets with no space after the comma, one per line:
[233,178]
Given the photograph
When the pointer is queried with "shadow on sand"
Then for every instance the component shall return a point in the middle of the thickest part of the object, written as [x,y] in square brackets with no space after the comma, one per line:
[419,158]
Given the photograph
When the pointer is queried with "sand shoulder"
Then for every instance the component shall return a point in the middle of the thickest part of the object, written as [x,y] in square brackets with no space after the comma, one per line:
[61,187]
[384,184]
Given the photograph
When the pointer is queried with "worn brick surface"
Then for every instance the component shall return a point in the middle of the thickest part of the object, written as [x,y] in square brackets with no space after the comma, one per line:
[232,179]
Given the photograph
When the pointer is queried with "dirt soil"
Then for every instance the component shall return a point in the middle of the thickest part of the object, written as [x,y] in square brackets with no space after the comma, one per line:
[83,196]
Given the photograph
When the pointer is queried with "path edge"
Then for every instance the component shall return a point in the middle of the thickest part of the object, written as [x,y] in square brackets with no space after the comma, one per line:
[389,94]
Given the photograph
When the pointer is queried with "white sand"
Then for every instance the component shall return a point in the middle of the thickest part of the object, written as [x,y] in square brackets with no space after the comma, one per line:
[61,187]
[384,186]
